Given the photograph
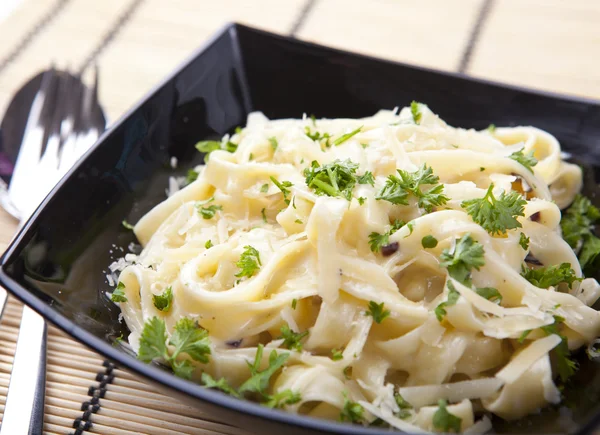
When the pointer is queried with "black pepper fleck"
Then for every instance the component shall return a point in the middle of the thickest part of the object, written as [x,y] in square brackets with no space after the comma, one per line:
[388,250]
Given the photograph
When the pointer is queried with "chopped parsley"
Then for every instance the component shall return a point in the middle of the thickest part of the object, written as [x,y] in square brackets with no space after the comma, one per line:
[527,160]
[545,277]
[259,380]
[565,366]
[188,337]
[208,146]
[445,421]
[491,128]
[361,200]
[298,221]
[343,138]
[415,110]
[429,242]
[467,255]
[294,303]
[284,187]
[163,301]
[453,295]
[282,398]
[524,241]
[208,212]
[577,228]
[333,179]
[336,354]
[249,262]
[291,339]
[523,336]
[264,188]
[396,189]
[263,214]
[126,225]
[378,241]
[118,295]
[209,382]
[403,406]
[273,142]
[490,293]
[364,145]
[366,178]
[318,137]
[208,244]
[192,175]
[377,311]
[496,215]
[352,411]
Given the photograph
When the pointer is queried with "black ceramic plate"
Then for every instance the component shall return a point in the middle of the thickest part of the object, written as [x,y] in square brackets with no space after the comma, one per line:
[57,262]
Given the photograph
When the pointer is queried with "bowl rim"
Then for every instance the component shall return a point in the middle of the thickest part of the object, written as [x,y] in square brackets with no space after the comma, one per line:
[167,379]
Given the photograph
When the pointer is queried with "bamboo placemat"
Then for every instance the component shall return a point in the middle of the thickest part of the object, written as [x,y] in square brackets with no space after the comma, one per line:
[547,44]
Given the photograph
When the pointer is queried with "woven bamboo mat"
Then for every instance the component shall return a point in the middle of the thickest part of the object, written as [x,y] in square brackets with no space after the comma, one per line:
[547,44]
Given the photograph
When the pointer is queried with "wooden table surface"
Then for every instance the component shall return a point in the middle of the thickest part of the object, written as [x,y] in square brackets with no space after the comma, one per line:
[545,44]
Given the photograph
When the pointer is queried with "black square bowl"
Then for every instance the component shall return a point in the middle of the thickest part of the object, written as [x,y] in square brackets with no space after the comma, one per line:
[57,263]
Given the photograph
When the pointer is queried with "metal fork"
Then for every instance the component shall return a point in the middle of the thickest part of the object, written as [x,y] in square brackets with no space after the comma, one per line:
[63,123]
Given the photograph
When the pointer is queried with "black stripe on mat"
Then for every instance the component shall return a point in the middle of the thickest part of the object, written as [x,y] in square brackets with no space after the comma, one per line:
[308,7]
[96,392]
[110,35]
[33,33]
[482,16]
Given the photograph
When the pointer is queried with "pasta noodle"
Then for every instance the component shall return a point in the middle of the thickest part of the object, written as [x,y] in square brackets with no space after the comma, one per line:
[358,277]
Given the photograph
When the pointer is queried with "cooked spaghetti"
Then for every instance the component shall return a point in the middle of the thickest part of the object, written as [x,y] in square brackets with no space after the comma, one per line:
[386,270]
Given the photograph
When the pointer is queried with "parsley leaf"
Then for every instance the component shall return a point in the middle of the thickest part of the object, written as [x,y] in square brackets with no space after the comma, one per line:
[453,295]
[378,241]
[415,110]
[163,301]
[284,187]
[429,242]
[490,293]
[361,200]
[209,382]
[445,421]
[259,380]
[352,411]
[264,188]
[263,214]
[333,179]
[403,405]
[565,366]
[343,138]
[126,225]
[377,311]
[526,160]
[524,335]
[249,262]
[524,241]
[283,398]
[396,189]
[577,228]
[336,354]
[273,142]
[208,146]
[208,244]
[545,277]
[188,337]
[318,137]
[153,341]
[191,176]
[366,178]
[207,212]
[294,303]
[291,339]
[118,295]
[496,215]
[468,254]
[491,128]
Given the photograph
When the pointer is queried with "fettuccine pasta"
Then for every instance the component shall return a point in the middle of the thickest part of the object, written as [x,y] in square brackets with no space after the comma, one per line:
[388,270]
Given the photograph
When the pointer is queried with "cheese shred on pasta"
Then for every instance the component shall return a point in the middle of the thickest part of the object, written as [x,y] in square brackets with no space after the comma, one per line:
[306,229]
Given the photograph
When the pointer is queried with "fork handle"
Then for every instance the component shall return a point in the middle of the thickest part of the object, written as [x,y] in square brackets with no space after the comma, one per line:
[24,410]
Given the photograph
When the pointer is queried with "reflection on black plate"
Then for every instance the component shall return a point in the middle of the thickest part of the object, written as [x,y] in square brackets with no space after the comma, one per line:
[56,264]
